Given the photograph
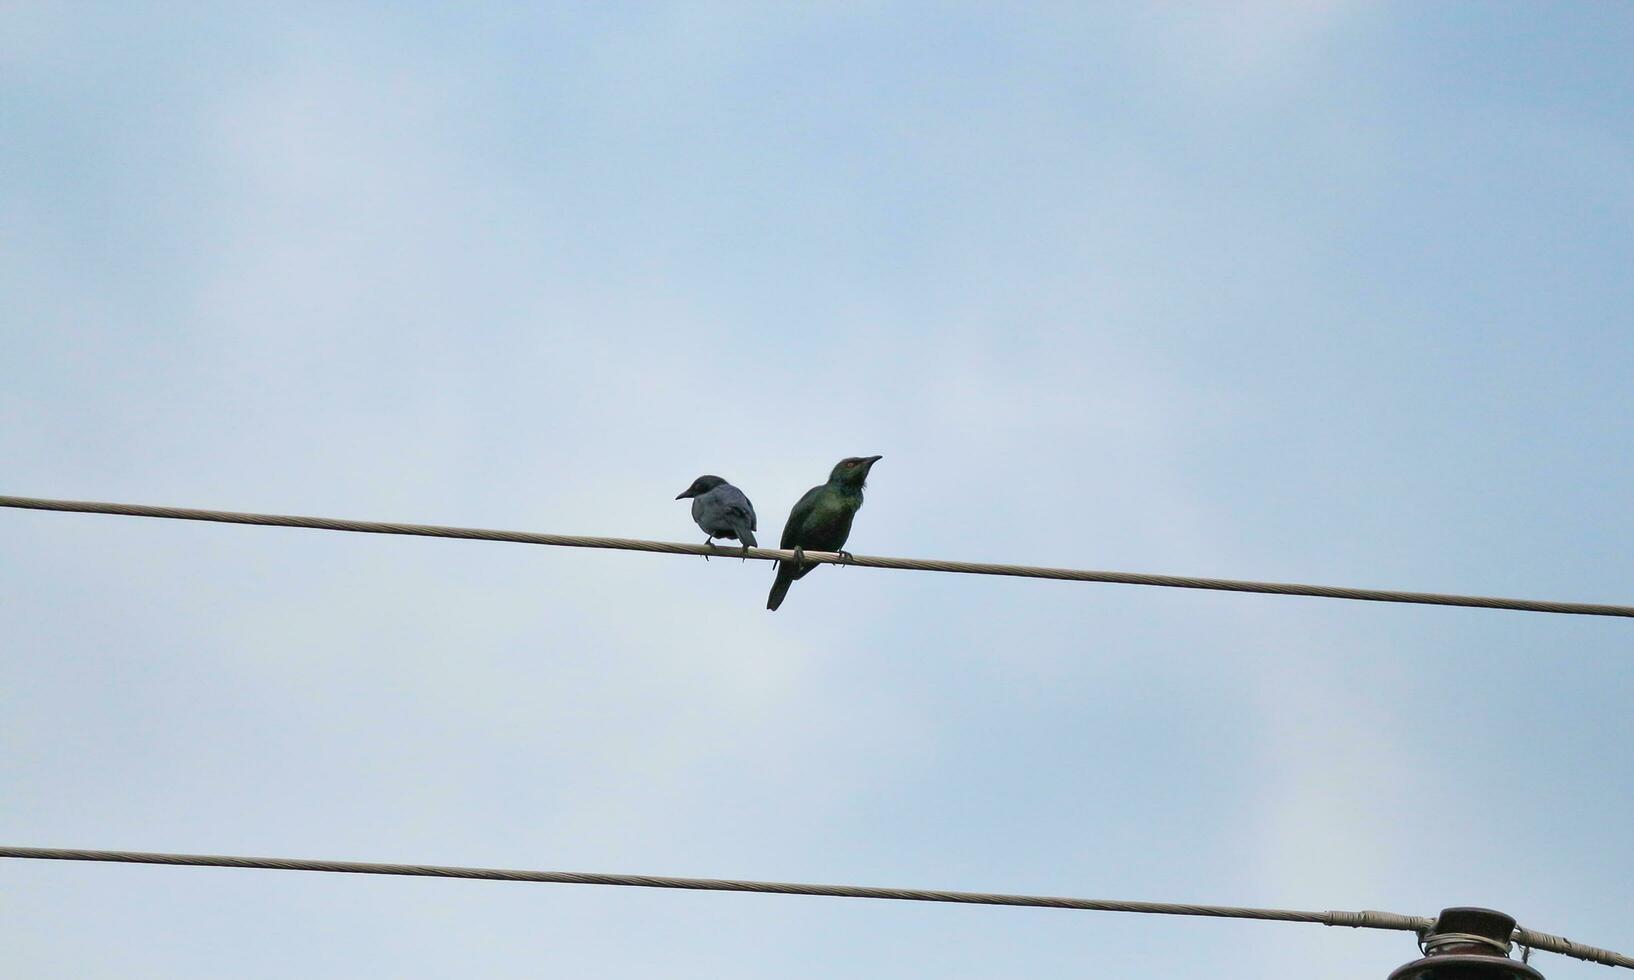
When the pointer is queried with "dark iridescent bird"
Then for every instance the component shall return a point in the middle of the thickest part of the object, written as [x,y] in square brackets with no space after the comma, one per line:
[721,510]
[821,520]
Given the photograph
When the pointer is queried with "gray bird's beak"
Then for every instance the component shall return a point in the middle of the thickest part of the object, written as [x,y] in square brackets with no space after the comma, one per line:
[683,494]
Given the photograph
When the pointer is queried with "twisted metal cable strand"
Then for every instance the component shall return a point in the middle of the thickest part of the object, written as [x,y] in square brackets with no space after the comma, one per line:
[1566,947]
[1374,920]
[1360,920]
[821,557]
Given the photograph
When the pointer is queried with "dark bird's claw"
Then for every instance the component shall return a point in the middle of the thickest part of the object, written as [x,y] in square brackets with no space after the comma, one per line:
[799,556]
[846,557]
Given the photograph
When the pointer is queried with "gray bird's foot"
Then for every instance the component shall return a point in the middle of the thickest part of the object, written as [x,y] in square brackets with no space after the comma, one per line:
[709,544]
[745,552]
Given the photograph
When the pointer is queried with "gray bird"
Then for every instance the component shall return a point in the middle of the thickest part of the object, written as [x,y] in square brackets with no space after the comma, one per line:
[722,511]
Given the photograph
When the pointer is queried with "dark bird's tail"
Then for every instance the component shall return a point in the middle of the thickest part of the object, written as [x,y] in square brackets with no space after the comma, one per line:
[780,587]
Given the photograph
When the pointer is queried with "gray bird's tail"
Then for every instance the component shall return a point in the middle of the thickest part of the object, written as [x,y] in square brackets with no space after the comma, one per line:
[780,587]
[745,535]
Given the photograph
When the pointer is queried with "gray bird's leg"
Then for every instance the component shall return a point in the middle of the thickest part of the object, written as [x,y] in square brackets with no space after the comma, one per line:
[710,543]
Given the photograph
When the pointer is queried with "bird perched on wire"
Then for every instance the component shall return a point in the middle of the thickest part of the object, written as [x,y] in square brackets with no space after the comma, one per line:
[722,511]
[821,520]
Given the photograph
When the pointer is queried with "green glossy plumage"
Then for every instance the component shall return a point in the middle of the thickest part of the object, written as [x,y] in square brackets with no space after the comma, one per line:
[821,520]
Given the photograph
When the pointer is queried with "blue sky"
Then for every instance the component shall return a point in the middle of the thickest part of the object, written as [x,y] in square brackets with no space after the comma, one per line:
[1323,292]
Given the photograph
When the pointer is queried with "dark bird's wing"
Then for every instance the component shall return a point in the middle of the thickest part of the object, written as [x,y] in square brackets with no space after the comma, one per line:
[793,532]
[799,515]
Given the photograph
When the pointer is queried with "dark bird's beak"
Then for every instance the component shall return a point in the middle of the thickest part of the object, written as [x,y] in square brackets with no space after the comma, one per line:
[873,459]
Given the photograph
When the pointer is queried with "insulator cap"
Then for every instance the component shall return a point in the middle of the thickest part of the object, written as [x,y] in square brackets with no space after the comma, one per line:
[1467,943]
